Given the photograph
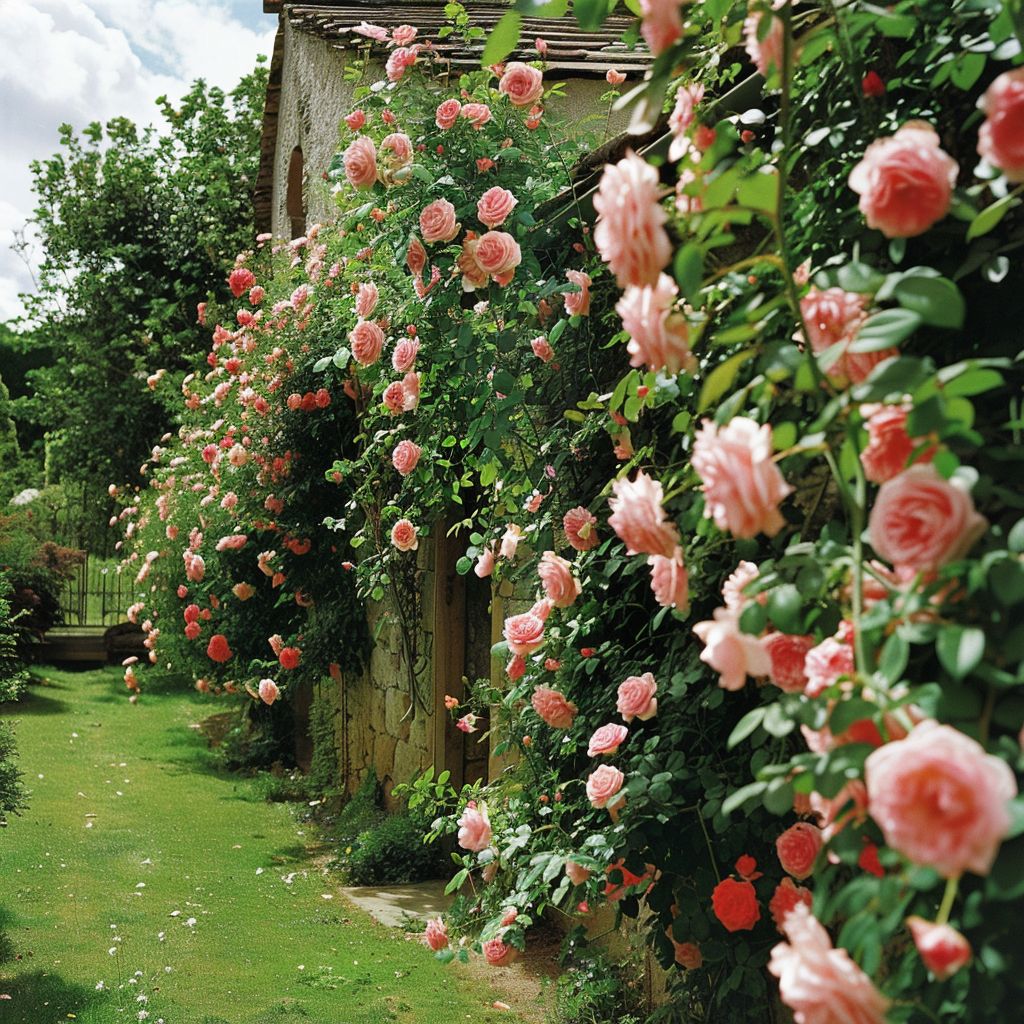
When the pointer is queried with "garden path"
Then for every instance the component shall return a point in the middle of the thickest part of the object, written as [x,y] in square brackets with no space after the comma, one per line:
[142,880]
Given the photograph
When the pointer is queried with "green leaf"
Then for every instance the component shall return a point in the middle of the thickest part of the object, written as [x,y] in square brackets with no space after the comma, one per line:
[960,649]
[784,608]
[886,330]
[735,800]
[321,364]
[502,39]
[745,726]
[688,268]
[894,657]
[341,358]
[935,299]
[1006,579]
[778,799]
[973,382]
[847,712]
[985,221]
[721,378]
[591,13]
[542,8]
[760,191]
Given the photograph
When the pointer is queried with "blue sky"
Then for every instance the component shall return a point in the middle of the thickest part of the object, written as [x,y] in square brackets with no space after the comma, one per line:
[78,61]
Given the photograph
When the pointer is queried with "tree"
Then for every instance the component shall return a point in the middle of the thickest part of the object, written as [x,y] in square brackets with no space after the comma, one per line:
[134,224]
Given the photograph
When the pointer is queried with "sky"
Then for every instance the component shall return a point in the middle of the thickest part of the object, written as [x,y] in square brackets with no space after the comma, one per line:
[78,61]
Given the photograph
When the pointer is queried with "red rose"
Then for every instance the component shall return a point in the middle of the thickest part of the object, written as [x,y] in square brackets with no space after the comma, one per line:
[290,657]
[218,649]
[735,905]
[785,898]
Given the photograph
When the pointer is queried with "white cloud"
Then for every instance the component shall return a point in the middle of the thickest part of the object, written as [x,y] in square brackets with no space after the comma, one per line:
[78,61]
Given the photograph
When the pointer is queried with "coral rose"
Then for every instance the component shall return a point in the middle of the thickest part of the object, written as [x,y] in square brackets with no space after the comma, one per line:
[662,24]
[438,223]
[826,664]
[576,872]
[943,949]
[516,667]
[786,896]
[786,655]
[940,800]
[735,905]
[820,984]
[905,182]
[415,256]
[478,114]
[1001,137]
[921,521]
[360,161]
[833,317]
[542,349]
[733,654]
[557,579]
[739,579]
[355,120]
[405,456]
[889,445]
[798,848]
[218,649]
[553,707]
[607,740]
[630,233]
[403,359]
[687,954]
[604,786]
[268,691]
[240,280]
[474,828]
[635,698]
[403,536]
[524,633]
[614,77]
[579,524]
[497,953]
[447,114]
[484,563]
[670,580]
[436,934]
[394,397]
[366,299]
[639,518]
[577,303]
[494,206]
[366,340]
[289,658]
[497,253]
[743,487]
[658,337]
[522,84]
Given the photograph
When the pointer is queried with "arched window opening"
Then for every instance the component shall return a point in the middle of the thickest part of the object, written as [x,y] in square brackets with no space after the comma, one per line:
[295,202]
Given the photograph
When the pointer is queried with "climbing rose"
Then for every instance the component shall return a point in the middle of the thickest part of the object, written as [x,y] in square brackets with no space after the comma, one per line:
[682,117]
[826,664]
[662,24]
[659,338]
[579,524]
[438,223]
[743,487]
[557,579]
[576,872]
[577,303]
[497,953]
[494,206]
[735,905]
[218,650]
[732,589]
[798,848]
[733,654]
[394,397]
[289,658]
[542,349]
[366,299]
[905,182]
[360,160]
[1001,137]
[614,77]
[766,53]
[403,536]
[268,691]
[436,934]
[525,633]
[415,257]
[355,120]
[786,896]
[510,541]
[940,800]
[403,359]
[240,280]
[366,340]
[630,233]
[635,698]
[833,317]
[921,521]
[604,785]
[607,740]
[943,949]
[243,591]
[474,828]
[447,114]
[478,114]
[553,707]
[497,253]
[399,60]
[484,563]
[822,985]
[516,667]
[403,35]
[639,518]
[405,456]
[786,655]
[889,445]
[670,581]
[522,84]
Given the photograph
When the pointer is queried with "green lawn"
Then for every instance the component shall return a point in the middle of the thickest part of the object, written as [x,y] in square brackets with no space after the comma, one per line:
[140,871]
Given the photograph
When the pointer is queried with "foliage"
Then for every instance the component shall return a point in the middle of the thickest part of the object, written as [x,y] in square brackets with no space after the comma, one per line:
[393,851]
[361,813]
[590,990]
[13,678]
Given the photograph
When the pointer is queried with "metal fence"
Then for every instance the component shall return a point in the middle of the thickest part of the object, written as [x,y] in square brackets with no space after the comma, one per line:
[96,595]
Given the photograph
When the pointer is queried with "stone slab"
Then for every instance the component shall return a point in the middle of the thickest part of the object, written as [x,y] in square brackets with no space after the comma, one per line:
[391,905]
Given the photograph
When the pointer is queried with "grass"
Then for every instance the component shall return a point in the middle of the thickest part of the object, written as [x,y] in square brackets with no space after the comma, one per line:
[140,866]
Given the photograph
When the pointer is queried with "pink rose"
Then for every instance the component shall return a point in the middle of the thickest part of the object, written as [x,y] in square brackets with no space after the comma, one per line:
[366,340]
[395,156]
[360,162]
[494,206]
[787,653]
[366,299]
[732,589]
[411,391]
[826,664]
[438,223]
[394,397]
[524,633]
[497,954]
[233,542]
[743,487]
[516,667]
[542,349]
[636,698]
[436,934]
[798,848]
[577,303]
[268,691]
[556,577]
[942,948]
[922,521]
[604,785]
[403,359]
[522,84]
[484,563]
[614,77]
[659,338]
[682,117]
[670,581]
[403,35]
[833,317]
[403,536]
[510,541]
[364,28]
[1001,137]
[497,254]
[553,707]
[473,275]
[662,24]
[447,114]
[764,52]
[940,800]
[630,233]
[399,60]
[822,985]
[474,828]
[478,114]
[576,872]
[415,257]
[405,456]
[889,445]
[607,740]
[905,182]
[579,524]
[733,654]
[639,518]
[355,120]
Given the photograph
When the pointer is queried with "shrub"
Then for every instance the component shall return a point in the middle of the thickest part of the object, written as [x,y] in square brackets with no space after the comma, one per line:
[393,851]
[361,813]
